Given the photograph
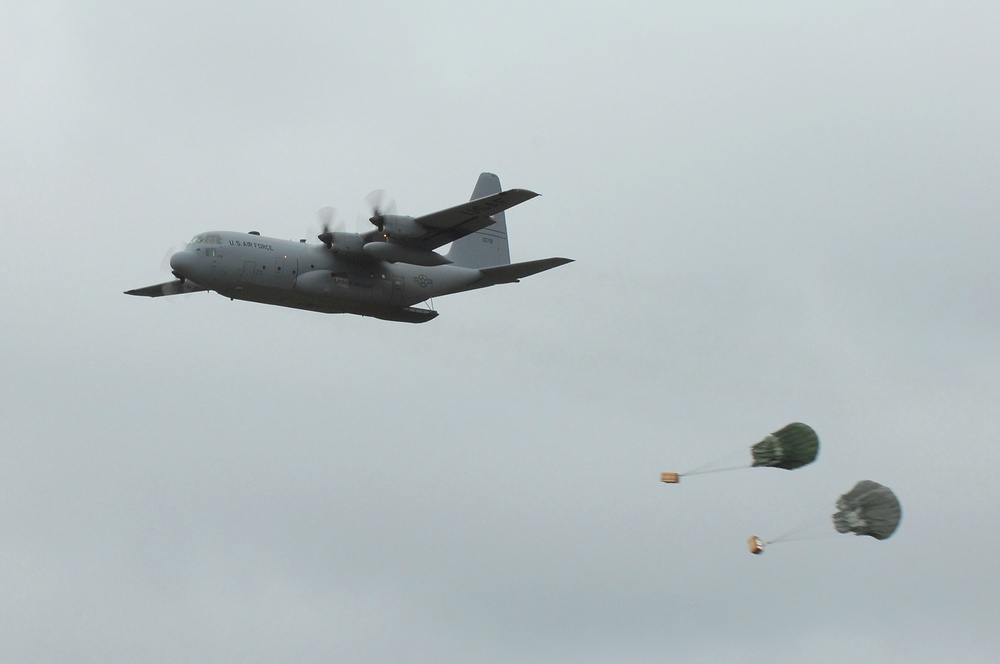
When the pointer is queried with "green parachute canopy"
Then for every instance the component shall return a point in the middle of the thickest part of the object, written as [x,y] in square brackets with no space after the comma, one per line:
[790,447]
[868,509]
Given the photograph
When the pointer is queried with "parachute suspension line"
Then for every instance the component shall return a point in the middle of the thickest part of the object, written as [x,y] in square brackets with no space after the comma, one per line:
[722,464]
[806,530]
[699,471]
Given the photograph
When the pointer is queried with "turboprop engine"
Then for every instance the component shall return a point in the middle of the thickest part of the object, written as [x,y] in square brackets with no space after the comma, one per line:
[397,253]
[398,226]
[343,243]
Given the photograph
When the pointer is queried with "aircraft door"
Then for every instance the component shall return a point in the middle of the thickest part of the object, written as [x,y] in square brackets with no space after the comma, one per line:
[396,292]
[249,267]
[285,270]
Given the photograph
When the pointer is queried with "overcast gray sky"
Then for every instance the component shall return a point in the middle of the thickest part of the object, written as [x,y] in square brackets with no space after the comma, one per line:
[779,211]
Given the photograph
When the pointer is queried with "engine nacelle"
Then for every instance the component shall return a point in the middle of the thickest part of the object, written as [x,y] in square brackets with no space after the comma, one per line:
[395,253]
[347,243]
[399,226]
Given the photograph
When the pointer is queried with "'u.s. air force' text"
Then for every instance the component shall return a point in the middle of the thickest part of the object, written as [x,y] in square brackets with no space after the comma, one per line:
[255,245]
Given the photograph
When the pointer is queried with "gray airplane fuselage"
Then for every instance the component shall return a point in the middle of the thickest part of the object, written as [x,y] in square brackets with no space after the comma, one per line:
[382,273]
[246,266]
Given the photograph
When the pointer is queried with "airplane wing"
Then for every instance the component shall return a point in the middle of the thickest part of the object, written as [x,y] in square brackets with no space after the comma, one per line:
[175,287]
[456,222]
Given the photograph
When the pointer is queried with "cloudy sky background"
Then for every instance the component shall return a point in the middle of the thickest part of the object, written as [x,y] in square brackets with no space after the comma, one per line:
[777,212]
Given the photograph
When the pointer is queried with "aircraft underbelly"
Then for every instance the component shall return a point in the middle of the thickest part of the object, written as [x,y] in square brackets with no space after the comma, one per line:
[340,303]
[388,291]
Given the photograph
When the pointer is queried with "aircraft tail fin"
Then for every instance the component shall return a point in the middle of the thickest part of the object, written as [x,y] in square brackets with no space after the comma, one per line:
[487,247]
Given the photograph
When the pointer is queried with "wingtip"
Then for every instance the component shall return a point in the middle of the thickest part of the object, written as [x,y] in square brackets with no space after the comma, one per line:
[523,194]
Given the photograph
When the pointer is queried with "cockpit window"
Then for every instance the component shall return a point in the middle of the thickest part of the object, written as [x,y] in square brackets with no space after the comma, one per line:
[206,238]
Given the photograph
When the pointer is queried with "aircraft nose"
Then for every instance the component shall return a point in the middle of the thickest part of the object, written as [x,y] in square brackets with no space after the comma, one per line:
[182,263]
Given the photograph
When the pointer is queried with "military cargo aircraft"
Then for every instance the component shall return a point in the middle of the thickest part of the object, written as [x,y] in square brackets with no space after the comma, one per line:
[383,273]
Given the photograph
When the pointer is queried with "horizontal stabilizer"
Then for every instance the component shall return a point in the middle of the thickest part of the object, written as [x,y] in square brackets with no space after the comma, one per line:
[175,287]
[510,274]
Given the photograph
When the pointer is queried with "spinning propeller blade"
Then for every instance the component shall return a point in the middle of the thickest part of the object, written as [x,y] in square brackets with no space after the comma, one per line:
[328,217]
[165,263]
[380,205]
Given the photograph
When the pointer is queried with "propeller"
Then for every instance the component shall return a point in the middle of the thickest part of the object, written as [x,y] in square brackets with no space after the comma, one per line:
[328,217]
[380,205]
[165,263]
